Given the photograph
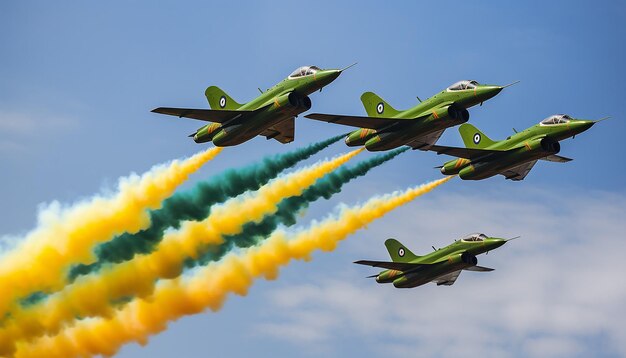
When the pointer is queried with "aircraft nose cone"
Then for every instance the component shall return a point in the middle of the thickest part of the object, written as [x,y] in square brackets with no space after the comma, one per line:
[587,124]
[581,125]
[333,74]
[492,91]
[495,243]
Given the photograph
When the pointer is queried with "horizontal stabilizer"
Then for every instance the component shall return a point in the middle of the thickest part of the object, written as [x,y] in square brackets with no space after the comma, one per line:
[519,172]
[478,269]
[399,266]
[466,153]
[557,159]
[354,121]
[425,142]
[282,132]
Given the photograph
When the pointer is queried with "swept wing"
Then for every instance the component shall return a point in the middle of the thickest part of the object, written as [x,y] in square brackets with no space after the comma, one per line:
[468,153]
[355,121]
[209,115]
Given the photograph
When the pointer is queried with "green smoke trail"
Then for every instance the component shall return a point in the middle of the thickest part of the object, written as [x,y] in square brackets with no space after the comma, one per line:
[196,203]
[289,208]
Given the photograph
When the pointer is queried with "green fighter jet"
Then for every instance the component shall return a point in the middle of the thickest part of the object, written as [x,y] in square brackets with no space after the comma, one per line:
[443,266]
[513,157]
[419,127]
[271,114]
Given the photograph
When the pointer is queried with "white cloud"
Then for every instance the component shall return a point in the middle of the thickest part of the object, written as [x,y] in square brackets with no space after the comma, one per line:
[557,287]
[19,129]
[31,123]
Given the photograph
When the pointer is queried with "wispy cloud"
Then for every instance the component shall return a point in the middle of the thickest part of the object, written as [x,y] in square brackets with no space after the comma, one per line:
[18,129]
[554,291]
[31,123]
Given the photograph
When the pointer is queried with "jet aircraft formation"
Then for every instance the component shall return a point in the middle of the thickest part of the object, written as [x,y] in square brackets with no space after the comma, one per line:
[272,115]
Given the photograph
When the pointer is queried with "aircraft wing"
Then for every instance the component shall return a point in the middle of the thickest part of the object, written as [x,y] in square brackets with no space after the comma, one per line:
[282,132]
[478,269]
[355,121]
[400,266]
[519,172]
[209,115]
[425,142]
[464,152]
[557,158]
[449,279]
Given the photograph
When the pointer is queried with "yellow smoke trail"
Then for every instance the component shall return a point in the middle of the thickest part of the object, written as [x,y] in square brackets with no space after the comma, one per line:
[68,236]
[210,285]
[91,295]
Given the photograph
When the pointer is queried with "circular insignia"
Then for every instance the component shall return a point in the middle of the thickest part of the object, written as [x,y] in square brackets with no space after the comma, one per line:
[401,252]
[476,138]
[223,101]
[380,108]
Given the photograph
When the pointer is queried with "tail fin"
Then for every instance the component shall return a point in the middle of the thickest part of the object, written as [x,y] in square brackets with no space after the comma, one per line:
[218,99]
[474,138]
[398,252]
[376,106]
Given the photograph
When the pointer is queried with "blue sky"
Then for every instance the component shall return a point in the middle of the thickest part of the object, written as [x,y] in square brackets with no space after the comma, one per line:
[78,81]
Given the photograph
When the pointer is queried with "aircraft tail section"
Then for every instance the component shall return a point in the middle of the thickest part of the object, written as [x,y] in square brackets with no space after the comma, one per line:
[398,252]
[376,106]
[473,138]
[218,99]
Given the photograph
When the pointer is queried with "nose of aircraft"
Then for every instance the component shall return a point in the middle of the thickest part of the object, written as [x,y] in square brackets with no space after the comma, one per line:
[487,92]
[327,76]
[581,125]
[494,243]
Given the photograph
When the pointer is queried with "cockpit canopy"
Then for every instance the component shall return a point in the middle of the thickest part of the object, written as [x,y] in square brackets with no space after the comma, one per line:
[463,85]
[474,237]
[556,119]
[304,71]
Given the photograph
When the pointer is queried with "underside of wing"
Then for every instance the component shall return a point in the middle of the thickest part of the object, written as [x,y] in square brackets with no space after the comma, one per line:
[447,280]
[210,115]
[557,159]
[400,266]
[478,269]
[282,132]
[354,121]
[425,142]
[519,172]
[466,153]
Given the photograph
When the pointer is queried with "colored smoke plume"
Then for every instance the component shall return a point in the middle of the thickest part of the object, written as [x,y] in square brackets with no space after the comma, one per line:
[67,235]
[289,208]
[210,286]
[91,295]
[195,204]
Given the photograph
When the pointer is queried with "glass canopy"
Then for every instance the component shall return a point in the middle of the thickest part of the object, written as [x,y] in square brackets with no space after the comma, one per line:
[556,119]
[304,71]
[463,85]
[474,237]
